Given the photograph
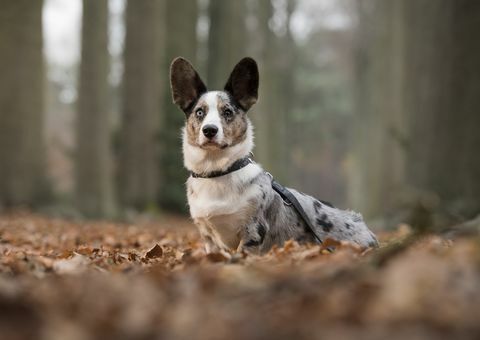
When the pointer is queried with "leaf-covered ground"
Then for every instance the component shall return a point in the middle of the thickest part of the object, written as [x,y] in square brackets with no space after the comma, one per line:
[66,280]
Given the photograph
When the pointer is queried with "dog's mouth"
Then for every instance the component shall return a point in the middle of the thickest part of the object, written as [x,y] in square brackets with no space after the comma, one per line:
[212,145]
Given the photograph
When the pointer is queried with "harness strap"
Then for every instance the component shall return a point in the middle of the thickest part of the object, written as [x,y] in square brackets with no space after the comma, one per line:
[290,199]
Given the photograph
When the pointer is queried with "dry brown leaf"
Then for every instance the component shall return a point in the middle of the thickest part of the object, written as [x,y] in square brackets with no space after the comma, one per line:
[217,257]
[330,244]
[155,252]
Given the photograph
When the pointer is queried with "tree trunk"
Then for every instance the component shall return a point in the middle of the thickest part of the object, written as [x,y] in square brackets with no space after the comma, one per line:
[443,63]
[93,172]
[181,19]
[418,72]
[22,145]
[226,39]
[276,58]
[466,90]
[379,156]
[263,112]
[286,61]
[142,91]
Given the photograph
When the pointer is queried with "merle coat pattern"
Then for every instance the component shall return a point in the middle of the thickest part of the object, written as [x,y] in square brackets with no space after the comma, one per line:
[240,210]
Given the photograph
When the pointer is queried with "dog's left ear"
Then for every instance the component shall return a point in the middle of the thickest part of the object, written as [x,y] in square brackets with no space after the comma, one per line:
[243,83]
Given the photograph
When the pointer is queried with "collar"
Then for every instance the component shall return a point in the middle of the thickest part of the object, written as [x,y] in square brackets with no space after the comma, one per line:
[237,165]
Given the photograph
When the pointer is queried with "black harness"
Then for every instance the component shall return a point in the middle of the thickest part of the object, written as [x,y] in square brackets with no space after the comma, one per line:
[290,199]
[284,193]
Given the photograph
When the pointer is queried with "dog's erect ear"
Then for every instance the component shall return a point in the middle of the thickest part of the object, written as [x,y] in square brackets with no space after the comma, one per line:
[243,83]
[186,84]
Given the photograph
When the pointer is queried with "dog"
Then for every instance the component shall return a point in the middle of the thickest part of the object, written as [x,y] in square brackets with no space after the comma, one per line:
[231,198]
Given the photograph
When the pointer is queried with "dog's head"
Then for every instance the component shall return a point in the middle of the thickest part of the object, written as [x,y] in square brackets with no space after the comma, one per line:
[215,120]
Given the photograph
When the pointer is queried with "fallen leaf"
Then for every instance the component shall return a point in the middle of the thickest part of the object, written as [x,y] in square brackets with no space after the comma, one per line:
[155,252]
[217,257]
[330,245]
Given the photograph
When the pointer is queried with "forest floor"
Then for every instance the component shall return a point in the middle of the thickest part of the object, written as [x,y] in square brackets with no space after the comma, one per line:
[98,280]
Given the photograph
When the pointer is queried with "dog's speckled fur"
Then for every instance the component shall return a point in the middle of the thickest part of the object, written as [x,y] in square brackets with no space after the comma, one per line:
[240,210]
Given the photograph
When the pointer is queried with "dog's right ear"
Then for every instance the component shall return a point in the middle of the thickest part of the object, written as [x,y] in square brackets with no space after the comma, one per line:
[186,84]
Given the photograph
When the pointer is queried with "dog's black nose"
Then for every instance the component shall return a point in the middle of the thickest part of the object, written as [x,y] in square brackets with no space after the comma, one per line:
[209,130]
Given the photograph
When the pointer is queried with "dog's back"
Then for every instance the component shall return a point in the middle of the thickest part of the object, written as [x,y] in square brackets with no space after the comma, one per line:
[279,221]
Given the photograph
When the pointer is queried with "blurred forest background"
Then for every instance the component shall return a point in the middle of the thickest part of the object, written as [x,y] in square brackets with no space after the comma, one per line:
[370,104]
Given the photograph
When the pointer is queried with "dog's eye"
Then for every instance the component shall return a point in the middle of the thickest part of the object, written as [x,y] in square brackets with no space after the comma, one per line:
[227,112]
[199,113]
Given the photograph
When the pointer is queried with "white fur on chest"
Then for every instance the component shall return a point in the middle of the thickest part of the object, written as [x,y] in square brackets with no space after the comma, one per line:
[221,206]
[225,195]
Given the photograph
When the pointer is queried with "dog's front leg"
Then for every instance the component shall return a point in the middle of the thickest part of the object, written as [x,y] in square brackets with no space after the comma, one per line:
[253,236]
[210,246]
[207,237]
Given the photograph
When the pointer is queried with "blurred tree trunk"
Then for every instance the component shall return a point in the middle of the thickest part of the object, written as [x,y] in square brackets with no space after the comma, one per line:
[465,116]
[379,156]
[276,58]
[22,147]
[181,20]
[142,92]
[443,63]
[226,39]
[286,68]
[263,113]
[93,173]
[418,141]
[427,69]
